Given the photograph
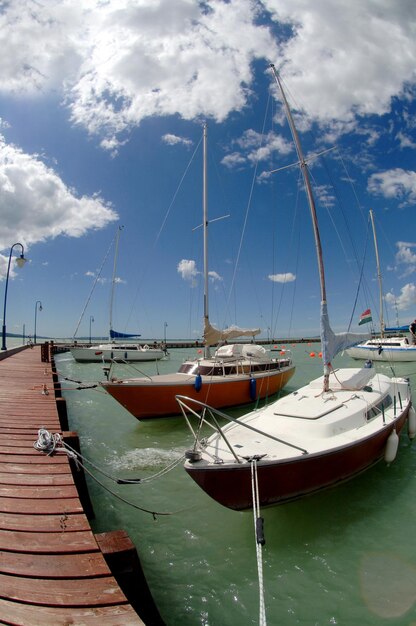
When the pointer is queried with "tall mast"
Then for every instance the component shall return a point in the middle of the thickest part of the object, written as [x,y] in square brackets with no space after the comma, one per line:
[307,181]
[380,285]
[311,201]
[205,229]
[113,282]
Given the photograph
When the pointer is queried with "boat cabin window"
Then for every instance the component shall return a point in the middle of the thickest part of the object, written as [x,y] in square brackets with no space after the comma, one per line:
[378,408]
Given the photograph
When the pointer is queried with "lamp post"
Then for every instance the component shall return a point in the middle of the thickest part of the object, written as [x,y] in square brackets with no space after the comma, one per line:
[91,320]
[36,310]
[164,335]
[20,262]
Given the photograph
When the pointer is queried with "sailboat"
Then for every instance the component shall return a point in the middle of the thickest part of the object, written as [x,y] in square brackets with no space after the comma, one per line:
[324,433]
[391,347]
[237,373]
[117,351]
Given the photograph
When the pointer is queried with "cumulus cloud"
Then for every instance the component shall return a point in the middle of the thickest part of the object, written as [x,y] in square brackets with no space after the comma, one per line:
[282,278]
[35,204]
[406,257]
[398,184]
[214,276]
[253,147]
[173,140]
[188,270]
[405,300]
[331,51]
[121,61]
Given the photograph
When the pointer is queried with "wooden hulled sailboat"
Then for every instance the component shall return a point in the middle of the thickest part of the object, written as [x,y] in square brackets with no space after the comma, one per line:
[316,437]
[236,374]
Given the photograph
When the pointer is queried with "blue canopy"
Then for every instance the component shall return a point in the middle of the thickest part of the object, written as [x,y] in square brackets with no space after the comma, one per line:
[397,329]
[116,335]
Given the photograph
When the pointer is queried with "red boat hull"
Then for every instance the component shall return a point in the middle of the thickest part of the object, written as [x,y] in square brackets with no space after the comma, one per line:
[283,481]
[152,399]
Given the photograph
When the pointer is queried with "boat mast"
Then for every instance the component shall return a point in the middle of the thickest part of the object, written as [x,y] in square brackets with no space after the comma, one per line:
[113,282]
[205,229]
[311,201]
[380,285]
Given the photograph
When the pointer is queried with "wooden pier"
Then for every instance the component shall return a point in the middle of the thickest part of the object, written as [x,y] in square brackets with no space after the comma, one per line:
[52,570]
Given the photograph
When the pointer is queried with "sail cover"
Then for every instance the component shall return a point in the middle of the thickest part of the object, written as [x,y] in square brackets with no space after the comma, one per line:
[114,334]
[333,343]
[212,335]
[397,329]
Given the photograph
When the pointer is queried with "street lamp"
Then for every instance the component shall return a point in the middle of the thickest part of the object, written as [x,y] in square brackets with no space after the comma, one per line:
[164,335]
[20,262]
[36,310]
[91,320]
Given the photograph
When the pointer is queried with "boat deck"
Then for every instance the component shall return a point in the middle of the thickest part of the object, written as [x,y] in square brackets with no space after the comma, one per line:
[52,571]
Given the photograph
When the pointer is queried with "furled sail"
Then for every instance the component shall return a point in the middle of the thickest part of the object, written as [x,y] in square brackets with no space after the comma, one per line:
[213,336]
[333,343]
[114,334]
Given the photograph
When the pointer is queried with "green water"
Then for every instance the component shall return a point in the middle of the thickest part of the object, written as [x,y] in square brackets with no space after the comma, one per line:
[345,556]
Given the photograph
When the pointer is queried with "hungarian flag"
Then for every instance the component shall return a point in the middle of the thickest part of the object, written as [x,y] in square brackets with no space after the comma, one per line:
[365,317]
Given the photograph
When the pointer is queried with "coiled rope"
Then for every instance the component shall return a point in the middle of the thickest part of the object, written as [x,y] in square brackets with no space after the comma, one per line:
[260,541]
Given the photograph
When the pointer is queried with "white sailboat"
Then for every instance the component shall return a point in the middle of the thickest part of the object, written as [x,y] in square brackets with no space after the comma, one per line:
[318,436]
[117,351]
[237,373]
[386,347]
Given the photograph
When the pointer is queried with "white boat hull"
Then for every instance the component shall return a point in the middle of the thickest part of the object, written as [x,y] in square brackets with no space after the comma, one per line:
[383,352]
[305,442]
[99,354]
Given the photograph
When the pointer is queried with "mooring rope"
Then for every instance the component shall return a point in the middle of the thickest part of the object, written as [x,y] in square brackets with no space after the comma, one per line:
[51,443]
[260,541]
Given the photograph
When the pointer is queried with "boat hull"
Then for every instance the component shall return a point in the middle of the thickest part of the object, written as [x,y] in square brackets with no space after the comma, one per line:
[286,480]
[156,397]
[373,353]
[99,355]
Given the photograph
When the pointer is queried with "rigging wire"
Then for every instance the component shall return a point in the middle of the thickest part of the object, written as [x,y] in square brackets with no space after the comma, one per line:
[94,285]
[144,269]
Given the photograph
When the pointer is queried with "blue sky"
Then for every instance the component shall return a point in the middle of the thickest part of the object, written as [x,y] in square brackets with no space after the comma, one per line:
[101,113]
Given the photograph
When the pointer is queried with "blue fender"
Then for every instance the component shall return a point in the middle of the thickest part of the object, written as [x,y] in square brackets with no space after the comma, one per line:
[253,393]
[198,382]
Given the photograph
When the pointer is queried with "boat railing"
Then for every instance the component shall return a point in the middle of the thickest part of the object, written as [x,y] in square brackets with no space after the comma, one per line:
[191,406]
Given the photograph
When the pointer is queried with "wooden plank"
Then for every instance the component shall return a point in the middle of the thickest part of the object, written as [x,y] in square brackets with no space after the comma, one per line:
[44,523]
[102,591]
[33,468]
[23,615]
[13,478]
[87,565]
[40,458]
[48,543]
[49,507]
[38,491]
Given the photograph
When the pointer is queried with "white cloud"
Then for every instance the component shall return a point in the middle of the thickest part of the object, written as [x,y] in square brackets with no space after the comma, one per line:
[336,60]
[173,140]
[405,257]
[397,184]
[36,205]
[214,276]
[406,299]
[282,278]
[187,269]
[120,61]
[255,147]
